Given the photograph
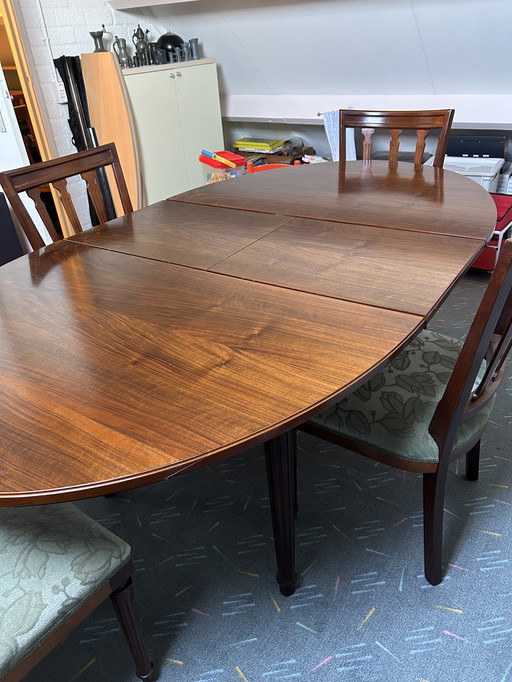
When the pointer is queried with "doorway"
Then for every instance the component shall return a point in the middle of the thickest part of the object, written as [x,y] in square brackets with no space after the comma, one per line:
[17,95]
[28,131]
[17,72]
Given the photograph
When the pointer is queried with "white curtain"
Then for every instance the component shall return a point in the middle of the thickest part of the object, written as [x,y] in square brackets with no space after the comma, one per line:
[332,130]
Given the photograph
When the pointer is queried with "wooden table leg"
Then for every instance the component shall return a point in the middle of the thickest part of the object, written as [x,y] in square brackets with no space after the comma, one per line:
[281,468]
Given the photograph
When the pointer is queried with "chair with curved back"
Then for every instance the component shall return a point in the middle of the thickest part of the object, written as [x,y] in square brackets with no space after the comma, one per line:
[418,416]
[397,121]
[58,565]
[251,168]
[92,165]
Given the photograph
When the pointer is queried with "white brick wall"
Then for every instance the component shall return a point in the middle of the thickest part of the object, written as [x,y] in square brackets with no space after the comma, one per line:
[53,28]
[61,27]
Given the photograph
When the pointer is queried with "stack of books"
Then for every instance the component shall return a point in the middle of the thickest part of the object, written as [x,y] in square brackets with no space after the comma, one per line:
[258,145]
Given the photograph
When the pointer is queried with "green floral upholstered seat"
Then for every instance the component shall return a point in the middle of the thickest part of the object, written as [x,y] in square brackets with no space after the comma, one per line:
[393,410]
[52,559]
[430,405]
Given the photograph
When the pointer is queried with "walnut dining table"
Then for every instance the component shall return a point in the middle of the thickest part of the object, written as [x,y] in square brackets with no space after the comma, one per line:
[220,319]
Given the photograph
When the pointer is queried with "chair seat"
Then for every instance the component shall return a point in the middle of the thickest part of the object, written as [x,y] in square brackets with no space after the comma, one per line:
[393,410]
[52,559]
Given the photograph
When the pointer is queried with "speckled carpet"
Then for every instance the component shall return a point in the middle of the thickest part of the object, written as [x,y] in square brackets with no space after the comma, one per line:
[210,606]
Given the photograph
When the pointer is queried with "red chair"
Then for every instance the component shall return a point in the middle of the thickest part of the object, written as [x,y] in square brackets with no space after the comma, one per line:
[489,256]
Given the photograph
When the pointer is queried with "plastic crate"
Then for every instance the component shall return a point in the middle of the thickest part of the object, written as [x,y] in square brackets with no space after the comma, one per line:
[484,171]
[214,170]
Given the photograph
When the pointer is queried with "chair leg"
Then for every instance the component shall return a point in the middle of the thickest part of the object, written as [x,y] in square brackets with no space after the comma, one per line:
[123,601]
[473,462]
[433,506]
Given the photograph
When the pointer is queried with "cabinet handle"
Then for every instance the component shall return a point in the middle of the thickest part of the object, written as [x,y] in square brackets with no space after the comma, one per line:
[178,73]
[171,75]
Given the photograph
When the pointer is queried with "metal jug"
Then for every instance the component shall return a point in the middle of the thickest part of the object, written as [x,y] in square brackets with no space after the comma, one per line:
[194,48]
[98,39]
[121,52]
[156,54]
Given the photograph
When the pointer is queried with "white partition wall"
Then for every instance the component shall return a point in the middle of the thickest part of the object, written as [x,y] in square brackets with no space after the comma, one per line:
[282,60]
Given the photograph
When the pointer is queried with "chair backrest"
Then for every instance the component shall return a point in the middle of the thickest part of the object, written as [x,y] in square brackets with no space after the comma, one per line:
[251,168]
[489,339]
[90,164]
[396,121]
[10,247]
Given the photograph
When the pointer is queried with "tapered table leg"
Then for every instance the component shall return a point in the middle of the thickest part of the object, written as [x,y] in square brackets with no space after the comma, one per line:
[281,466]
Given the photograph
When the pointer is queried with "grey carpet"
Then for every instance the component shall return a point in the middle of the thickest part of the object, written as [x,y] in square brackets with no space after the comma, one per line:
[207,595]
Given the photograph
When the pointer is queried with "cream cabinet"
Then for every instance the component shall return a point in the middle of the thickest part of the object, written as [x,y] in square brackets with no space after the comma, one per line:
[176,113]
[160,117]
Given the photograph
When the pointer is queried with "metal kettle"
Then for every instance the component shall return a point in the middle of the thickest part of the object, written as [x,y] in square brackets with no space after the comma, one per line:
[139,40]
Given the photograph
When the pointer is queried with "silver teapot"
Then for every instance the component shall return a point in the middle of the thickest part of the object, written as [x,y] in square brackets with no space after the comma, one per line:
[139,40]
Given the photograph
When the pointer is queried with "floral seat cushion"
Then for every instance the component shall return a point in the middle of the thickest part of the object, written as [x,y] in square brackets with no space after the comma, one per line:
[393,410]
[52,559]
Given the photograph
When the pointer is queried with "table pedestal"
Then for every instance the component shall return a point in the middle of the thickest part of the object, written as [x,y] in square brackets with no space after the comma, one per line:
[282,485]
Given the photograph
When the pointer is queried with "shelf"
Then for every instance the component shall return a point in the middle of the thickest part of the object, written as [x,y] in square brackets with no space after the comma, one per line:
[165,67]
[132,4]
[479,112]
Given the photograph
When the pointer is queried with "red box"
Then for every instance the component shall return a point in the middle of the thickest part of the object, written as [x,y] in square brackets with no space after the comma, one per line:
[230,156]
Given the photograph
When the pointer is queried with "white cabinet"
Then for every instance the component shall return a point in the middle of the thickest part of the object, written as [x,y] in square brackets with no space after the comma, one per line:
[176,113]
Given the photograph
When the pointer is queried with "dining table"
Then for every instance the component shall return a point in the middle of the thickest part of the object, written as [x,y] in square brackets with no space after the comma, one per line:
[220,319]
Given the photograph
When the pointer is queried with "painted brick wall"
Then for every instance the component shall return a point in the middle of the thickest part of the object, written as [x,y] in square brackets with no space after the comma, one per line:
[53,28]
[61,27]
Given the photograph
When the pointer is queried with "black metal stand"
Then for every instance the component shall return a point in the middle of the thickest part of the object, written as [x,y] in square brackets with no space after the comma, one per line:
[83,135]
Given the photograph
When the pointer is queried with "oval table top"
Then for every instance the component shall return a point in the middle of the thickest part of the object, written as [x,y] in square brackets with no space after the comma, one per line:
[190,331]
[424,199]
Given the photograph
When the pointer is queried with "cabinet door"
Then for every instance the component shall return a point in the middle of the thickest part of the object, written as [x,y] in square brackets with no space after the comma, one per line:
[160,143]
[200,117]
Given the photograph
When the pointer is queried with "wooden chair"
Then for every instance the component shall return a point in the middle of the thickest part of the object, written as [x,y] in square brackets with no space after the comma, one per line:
[396,121]
[90,165]
[251,168]
[418,416]
[58,565]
